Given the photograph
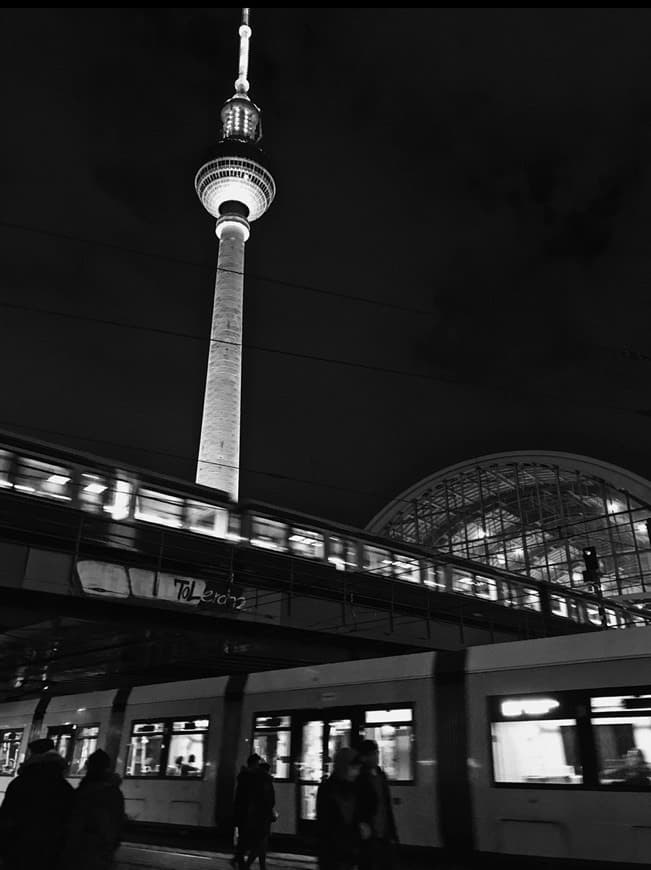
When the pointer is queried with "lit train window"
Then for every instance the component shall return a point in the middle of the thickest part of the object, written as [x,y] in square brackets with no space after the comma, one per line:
[342,553]
[434,577]
[306,543]
[119,500]
[592,614]
[462,582]
[622,731]
[558,605]
[159,508]
[393,732]
[526,597]
[268,534]
[85,745]
[145,749]
[485,587]
[92,491]
[377,561]
[207,519]
[535,741]
[42,478]
[10,743]
[187,748]
[5,468]
[406,568]
[272,742]
[63,737]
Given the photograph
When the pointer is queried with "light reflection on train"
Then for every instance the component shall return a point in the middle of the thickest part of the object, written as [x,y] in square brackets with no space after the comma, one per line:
[525,746]
[124,498]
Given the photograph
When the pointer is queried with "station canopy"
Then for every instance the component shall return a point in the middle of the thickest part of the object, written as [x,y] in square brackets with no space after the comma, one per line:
[533,513]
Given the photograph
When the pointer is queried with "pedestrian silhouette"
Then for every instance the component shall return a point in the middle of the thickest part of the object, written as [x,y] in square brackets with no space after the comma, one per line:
[254,813]
[35,811]
[95,825]
[337,814]
[377,825]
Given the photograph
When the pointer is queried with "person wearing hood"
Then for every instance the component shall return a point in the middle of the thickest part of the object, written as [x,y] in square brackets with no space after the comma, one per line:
[35,811]
[95,826]
[254,812]
[337,813]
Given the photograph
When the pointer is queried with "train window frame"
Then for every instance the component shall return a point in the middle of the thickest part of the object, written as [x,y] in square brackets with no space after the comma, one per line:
[356,714]
[168,733]
[572,704]
[20,732]
[79,738]
[413,755]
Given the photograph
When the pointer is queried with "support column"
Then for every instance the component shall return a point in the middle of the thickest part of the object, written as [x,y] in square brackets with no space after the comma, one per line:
[219,450]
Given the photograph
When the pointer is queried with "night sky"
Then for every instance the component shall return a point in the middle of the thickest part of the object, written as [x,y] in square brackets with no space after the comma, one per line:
[478,181]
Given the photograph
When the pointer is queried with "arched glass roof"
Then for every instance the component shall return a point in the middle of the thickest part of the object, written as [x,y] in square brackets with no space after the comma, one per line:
[533,513]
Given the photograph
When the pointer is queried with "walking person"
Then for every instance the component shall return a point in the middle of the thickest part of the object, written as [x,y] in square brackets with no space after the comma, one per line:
[97,817]
[254,812]
[376,821]
[35,811]
[337,814]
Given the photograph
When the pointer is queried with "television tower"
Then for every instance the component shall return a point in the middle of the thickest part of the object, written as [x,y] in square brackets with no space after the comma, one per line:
[236,188]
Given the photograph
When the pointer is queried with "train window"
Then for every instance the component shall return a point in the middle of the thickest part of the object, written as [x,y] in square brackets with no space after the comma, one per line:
[272,741]
[187,748]
[92,491]
[10,743]
[592,614]
[159,508]
[207,519]
[119,501]
[85,744]
[434,577]
[305,542]
[526,597]
[342,553]
[145,749]
[622,729]
[558,605]
[42,478]
[63,737]
[485,587]
[5,468]
[406,568]
[461,582]
[535,741]
[392,730]
[377,561]
[269,534]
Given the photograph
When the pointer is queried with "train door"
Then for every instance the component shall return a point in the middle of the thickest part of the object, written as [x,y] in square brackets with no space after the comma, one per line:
[320,735]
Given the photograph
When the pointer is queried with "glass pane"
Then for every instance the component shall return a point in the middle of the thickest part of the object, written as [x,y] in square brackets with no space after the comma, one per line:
[305,542]
[5,465]
[41,478]
[406,568]
[10,742]
[377,561]
[190,725]
[623,747]
[485,587]
[144,755]
[85,745]
[342,553]
[339,735]
[148,728]
[308,802]
[159,508]
[92,491]
[274,747]
[311,763]
[272,722]
[543,751]
[372,717]
[268,534]
[394,743]
[207,519]
[186,755]
[620,703]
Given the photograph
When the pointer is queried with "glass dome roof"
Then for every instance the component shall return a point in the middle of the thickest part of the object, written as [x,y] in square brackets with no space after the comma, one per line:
[533,513]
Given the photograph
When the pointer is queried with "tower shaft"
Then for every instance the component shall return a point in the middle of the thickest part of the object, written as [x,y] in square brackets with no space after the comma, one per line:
[219,450]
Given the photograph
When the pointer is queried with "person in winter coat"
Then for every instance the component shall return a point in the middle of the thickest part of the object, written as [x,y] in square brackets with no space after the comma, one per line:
[337,814]
[35,811]
[377,825]
[254,812]
[97,816]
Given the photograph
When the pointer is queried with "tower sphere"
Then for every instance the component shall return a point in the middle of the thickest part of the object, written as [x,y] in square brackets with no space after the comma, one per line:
[236,174]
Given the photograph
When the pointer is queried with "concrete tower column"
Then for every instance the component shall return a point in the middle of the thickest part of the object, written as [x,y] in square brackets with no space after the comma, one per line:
[219,451]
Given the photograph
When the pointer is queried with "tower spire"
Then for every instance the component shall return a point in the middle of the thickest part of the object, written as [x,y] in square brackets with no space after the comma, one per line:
[242,81]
